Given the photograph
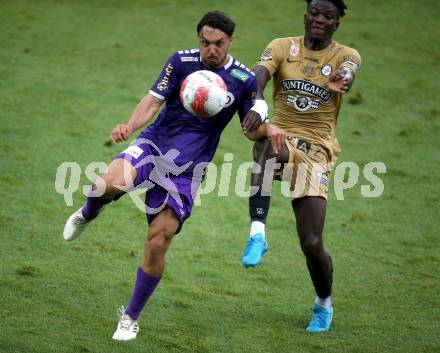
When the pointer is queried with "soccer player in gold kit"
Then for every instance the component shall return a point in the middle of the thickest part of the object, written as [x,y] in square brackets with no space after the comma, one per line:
[310,75]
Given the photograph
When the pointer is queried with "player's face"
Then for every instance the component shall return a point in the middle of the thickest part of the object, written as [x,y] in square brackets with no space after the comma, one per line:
[321,20]
[214,46]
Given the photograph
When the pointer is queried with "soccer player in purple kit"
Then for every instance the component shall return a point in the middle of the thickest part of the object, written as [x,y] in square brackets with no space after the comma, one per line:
[175,148]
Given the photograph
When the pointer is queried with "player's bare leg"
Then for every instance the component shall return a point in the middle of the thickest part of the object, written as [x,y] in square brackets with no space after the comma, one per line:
[259,203]
[160,235]
[310,217]
[119,175]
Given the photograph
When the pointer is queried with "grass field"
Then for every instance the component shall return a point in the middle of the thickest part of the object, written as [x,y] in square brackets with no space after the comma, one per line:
[69,71]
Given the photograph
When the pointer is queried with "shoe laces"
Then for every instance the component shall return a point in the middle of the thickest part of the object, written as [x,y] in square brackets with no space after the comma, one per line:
[126,322]
[79,219]
[320,316]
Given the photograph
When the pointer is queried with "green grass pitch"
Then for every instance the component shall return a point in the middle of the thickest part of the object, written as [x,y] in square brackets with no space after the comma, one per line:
[71,70]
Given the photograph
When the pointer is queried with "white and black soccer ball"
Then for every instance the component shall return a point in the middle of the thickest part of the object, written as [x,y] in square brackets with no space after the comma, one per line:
[203,93]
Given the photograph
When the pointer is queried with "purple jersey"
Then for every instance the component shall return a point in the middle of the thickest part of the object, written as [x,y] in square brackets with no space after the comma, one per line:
[175,128]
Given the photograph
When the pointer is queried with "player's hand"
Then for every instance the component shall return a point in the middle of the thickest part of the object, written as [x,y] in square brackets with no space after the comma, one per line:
[338,82]
[121,133]
[251,121]
[276,137]
[255,116]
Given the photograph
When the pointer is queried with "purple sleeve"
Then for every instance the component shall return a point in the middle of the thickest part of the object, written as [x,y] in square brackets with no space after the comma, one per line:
[250,91]
[167,82]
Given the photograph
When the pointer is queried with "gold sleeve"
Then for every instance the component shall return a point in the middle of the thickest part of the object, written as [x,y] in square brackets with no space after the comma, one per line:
[272,56]
[350,58]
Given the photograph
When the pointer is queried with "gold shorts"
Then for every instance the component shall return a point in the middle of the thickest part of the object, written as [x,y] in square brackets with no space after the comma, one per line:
[308,169]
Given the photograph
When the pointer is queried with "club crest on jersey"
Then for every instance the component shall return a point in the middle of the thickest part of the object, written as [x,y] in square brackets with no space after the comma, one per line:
[326,70]
[302,103]
[230,100]
[294,50]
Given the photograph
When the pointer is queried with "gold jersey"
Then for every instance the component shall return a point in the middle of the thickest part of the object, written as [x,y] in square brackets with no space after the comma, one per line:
[303,104]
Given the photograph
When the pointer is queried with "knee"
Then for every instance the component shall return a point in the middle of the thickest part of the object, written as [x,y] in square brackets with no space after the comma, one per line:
[158,242]
[155,247]
[311,246]
[109,185]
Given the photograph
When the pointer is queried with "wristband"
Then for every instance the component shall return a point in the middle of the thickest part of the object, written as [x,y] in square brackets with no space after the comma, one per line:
[348,73]
[260,107]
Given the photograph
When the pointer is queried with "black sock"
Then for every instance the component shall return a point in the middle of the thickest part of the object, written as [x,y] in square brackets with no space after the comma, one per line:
[259,207]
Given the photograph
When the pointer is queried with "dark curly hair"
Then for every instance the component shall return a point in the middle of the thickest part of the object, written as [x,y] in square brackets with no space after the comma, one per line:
[218,20]
[340,5]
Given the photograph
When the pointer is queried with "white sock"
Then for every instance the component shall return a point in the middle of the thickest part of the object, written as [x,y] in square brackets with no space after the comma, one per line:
[326,302]
[257,227]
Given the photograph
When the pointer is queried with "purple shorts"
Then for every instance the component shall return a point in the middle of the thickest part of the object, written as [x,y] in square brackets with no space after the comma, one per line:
[165,182]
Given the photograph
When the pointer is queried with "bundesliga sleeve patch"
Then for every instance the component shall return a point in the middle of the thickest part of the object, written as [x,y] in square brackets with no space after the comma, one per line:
[352,62]
[267,55]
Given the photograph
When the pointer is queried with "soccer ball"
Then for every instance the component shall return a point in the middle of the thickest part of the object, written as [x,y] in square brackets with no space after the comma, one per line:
[203,93]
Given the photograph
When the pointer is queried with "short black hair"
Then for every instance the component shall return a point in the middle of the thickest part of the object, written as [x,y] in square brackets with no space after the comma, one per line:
[340,5]
[218,20]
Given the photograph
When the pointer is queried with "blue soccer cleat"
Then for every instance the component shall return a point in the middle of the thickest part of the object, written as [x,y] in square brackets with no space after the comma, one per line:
[254,251]
[321,319]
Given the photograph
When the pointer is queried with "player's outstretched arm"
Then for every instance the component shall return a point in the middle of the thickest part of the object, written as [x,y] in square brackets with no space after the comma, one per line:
[144,111]
[257,134]
[258,112]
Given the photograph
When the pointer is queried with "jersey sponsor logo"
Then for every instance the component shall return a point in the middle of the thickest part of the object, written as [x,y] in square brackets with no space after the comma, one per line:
[267,55]
[133,151]
[326,70]
[163,84]
[188,58]
[239,75]
[306,86]
[302,103]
